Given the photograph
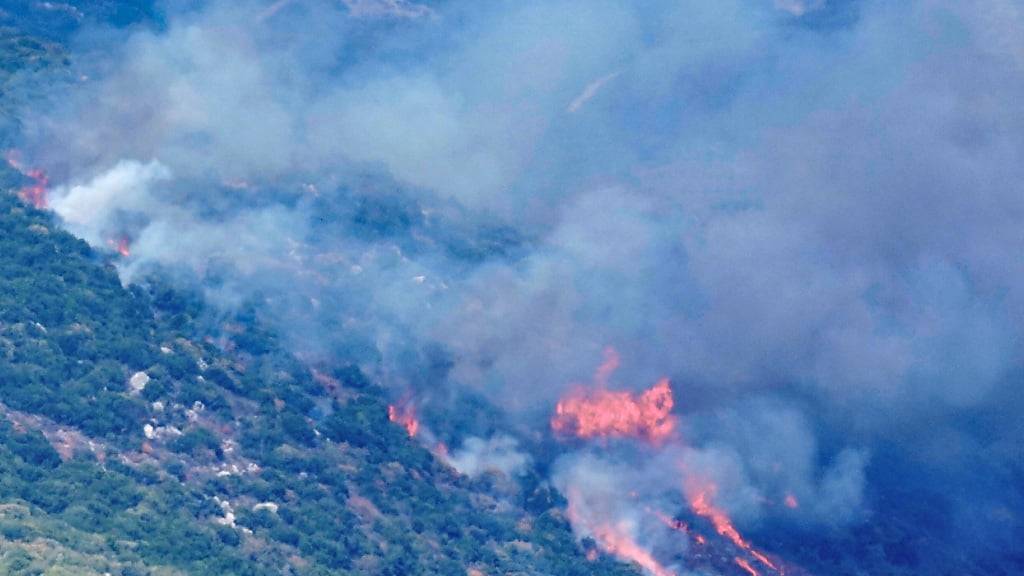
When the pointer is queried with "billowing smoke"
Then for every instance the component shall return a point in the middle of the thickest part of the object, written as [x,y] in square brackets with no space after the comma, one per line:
[500,454]
[805,216]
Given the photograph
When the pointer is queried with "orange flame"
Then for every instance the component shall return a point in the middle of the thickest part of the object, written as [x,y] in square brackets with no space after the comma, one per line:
[617,543]
[602,414]
[34,194]
[405,415]
[746,566]
[702,506]
[614,539]
[122,246]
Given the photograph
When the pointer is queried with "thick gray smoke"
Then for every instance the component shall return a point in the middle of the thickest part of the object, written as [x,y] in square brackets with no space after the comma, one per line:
[807,214]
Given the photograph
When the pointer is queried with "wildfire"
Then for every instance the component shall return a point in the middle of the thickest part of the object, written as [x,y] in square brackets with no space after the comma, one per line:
[678,526]
[405,415]
[597,412]
[616,542]
[746,566]
[35,193]
[614,539]
[601,413]
[121,245]
[702,505]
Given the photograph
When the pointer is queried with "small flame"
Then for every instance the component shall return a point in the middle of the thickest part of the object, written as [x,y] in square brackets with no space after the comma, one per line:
[121,245]
[678,526]
[791,502]
[405,415]
[601,413]
[35,193]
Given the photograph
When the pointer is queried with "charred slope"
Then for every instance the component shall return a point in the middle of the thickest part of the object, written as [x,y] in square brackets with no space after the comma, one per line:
[136,439]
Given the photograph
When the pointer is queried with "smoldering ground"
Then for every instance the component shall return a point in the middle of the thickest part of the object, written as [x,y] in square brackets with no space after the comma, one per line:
[806,214]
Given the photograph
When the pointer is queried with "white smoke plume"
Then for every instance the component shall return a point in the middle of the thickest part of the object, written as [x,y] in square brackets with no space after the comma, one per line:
[496,454]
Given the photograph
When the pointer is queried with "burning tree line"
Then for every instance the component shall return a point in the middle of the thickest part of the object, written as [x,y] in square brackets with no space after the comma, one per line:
[594,414]
[599,417]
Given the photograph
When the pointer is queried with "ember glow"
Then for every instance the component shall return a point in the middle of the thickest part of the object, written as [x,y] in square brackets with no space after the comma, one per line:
[405,415]
[35,193]
[600,413]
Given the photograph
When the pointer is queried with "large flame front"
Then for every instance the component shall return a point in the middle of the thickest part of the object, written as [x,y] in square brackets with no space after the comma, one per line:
[600,413]
[35,193]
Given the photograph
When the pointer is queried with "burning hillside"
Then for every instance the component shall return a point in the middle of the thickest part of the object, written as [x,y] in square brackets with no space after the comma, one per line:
[624,529]
[34,193]
[799,221]
[404,414]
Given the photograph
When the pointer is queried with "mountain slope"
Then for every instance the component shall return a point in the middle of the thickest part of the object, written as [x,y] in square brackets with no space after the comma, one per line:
[137,439]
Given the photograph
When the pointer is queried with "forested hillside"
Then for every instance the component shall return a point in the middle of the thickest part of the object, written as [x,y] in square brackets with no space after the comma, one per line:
[136,441]
[531,288]
[141,433]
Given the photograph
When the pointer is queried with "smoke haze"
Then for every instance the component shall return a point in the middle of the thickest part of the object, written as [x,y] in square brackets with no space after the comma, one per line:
[806,214]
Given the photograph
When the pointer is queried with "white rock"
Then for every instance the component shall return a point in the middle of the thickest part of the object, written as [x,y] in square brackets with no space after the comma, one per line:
[227,520]
[158,406]
[149,431]
[138,382]
[166,350]
[272,507]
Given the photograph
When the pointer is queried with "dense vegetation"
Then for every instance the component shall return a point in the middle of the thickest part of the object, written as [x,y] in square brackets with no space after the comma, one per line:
[140,434]
[137,436]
